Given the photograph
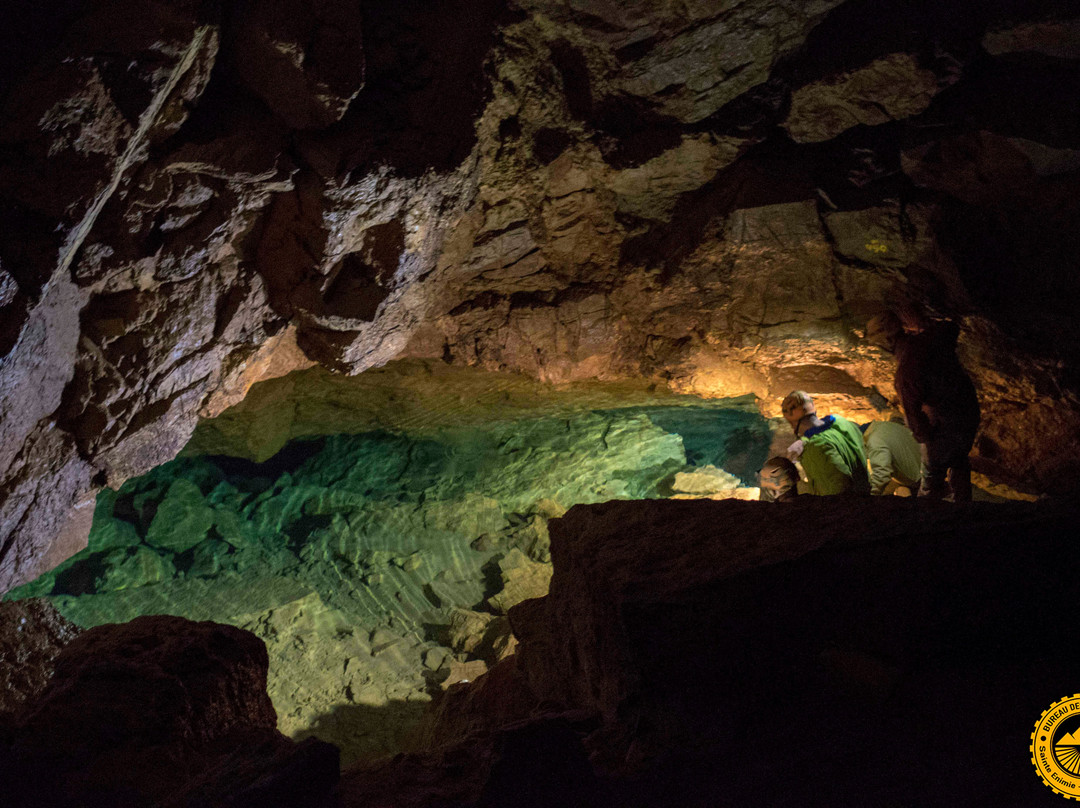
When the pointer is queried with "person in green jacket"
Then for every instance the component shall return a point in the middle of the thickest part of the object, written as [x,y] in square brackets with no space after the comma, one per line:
[832,448]
[893,454]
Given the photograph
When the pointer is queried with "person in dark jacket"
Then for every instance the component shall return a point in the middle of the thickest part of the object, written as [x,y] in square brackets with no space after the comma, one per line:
[939,401]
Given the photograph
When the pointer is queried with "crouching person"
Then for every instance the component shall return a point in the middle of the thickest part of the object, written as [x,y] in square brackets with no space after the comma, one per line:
[832,448]
[894,456]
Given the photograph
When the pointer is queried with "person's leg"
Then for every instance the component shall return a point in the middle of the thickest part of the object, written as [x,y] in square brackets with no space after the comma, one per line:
[948,450]
[960,479]
[935,471]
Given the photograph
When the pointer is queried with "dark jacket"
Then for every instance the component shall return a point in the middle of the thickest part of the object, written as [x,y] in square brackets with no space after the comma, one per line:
[934,389]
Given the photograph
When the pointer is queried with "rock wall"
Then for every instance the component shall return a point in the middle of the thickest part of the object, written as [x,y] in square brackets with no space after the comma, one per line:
[706,197]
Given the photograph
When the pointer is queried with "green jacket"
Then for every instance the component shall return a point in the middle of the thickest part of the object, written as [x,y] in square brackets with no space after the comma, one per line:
[893,455]
[833,458]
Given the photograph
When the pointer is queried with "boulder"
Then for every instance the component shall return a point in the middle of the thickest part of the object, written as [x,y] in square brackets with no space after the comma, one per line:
[182,519]
[705,480]
[522,578]
[155,710]
[858,626]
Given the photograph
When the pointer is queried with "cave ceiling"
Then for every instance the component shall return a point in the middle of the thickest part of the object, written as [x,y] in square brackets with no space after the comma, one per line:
[709,198]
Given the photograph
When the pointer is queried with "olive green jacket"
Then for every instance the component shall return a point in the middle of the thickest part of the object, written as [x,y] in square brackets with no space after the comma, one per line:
[893,454]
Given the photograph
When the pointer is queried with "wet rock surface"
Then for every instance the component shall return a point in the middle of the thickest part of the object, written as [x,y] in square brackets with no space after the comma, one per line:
[712,200]
[32,634]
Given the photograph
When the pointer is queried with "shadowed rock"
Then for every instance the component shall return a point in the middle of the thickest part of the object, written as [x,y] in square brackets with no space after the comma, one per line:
[703,637]
[145,712]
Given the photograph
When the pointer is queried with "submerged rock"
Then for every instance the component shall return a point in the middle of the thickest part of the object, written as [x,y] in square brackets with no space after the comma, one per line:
[522,579]
[705,480]
[182,519]
[357,557]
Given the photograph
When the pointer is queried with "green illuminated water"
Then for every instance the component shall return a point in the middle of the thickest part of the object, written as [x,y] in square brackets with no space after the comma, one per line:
[348,554]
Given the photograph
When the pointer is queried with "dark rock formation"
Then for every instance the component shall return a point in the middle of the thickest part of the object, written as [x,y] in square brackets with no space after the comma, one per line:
[32,634]
[161,711]
[884,652]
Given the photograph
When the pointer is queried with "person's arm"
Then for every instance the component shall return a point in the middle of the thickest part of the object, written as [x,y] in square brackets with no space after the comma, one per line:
[881,467]
[909,386]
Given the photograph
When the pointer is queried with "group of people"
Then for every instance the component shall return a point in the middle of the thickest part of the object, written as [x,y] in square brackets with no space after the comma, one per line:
[929,455]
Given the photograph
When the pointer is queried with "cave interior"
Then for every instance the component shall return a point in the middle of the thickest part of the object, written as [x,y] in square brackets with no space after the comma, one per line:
[383,388]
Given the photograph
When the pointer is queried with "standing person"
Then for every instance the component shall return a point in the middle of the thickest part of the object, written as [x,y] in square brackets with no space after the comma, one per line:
[832,448]
[893,454]
[939,401]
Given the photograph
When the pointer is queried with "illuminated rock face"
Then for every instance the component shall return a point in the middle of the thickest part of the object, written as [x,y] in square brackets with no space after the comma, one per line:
[707,199]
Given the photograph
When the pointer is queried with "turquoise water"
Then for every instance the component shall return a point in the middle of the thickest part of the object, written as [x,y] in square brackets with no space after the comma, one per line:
[339,545]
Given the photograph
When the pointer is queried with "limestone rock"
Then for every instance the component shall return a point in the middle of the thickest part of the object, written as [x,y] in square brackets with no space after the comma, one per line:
[627,590]
[39,504]
[481,635]
[571,191]
[531,537]
[889,88]
[72,130]
[726,51]
[497,698]
[32,634]
[830,666]
[884,236]
[464,672]
[652,189]
[182,519]
[1059,38]
[329,678]
[1046,161]
[136,566]
[522,578]
[704,480]
[306,61]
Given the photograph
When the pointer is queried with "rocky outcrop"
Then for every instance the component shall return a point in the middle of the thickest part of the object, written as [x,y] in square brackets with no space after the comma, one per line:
[707,200]
[32,634]
[694,632]
[891,88]
[161,711]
